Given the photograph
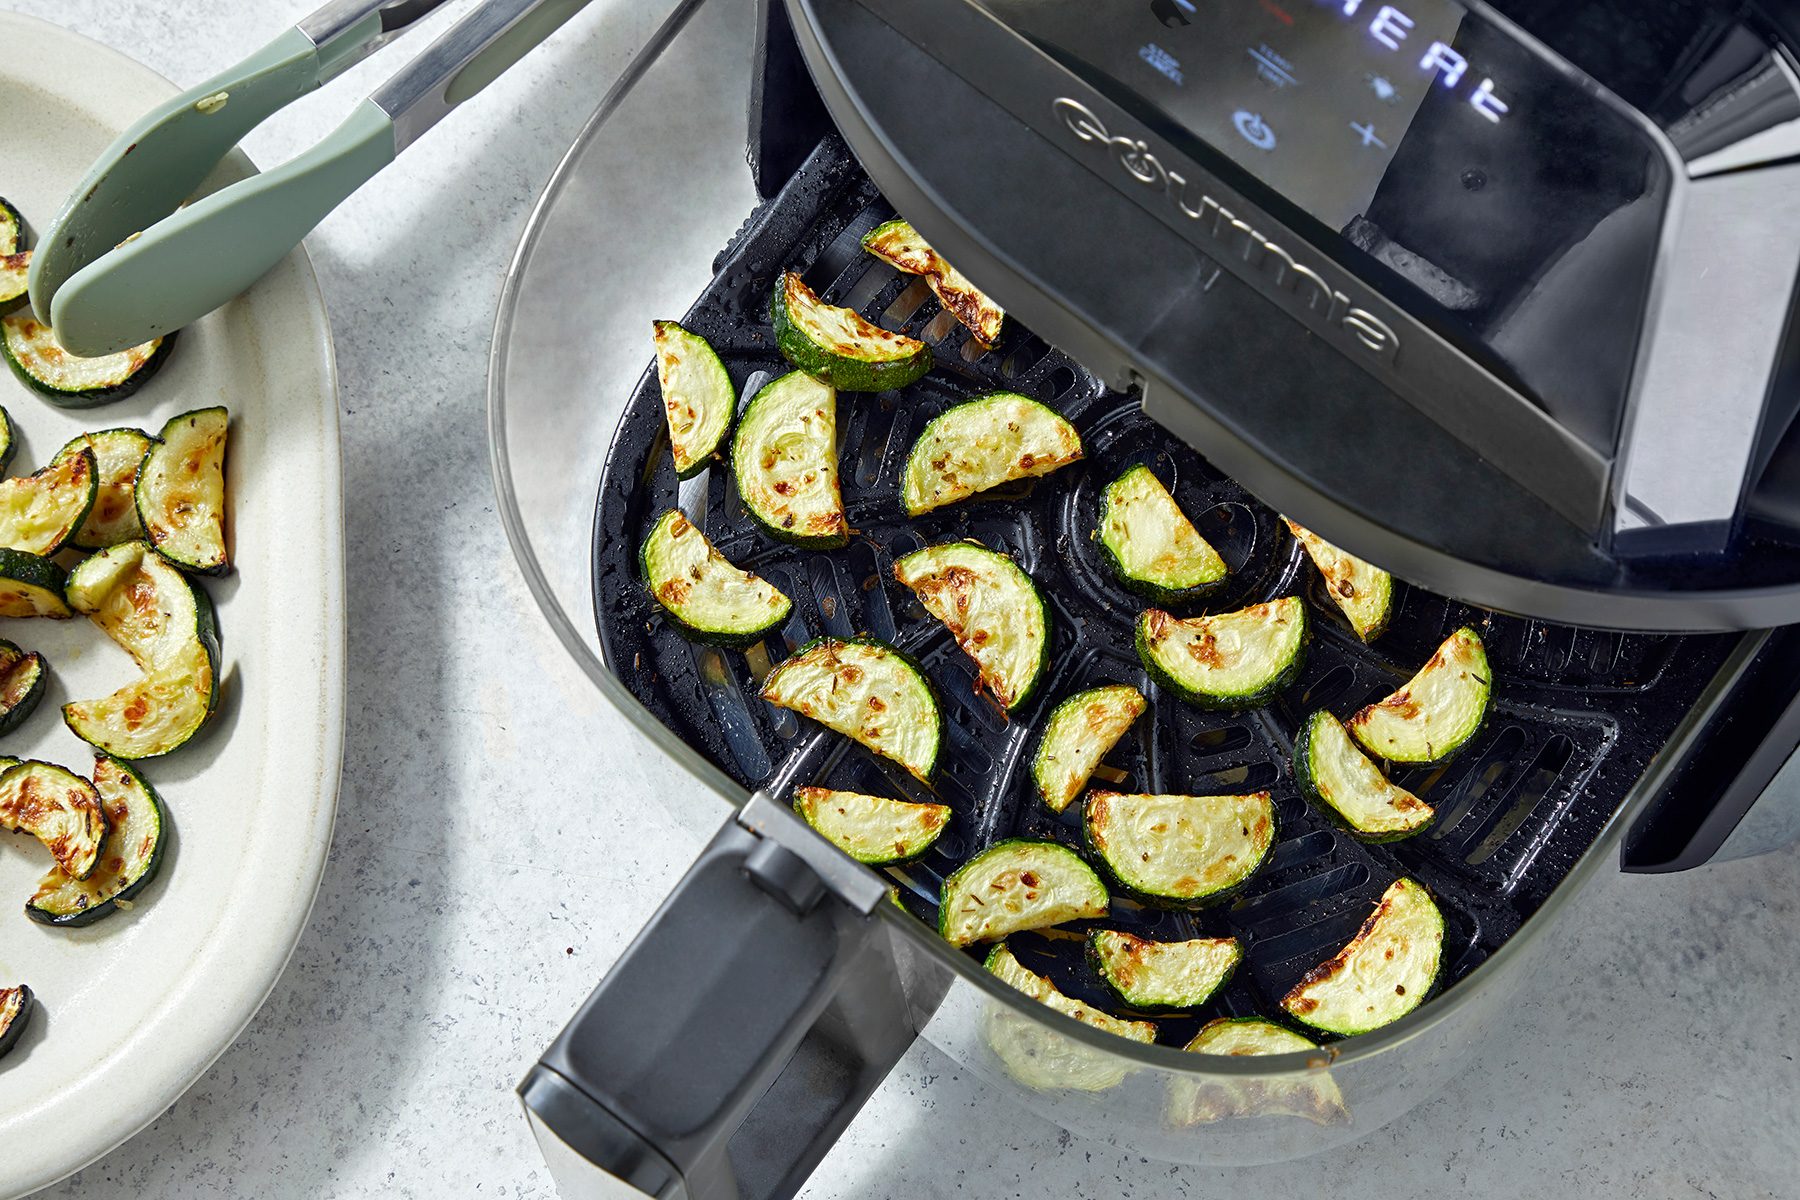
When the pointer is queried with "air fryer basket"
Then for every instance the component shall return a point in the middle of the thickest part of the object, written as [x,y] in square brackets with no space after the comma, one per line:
[1589,726]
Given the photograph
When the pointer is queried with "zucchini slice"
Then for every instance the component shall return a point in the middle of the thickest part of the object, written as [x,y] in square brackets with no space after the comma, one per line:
[167,626]
[1385,971]
[869,692]
[40,513]
[1041,1058]
[1436,712]
[12,228]
[1336,775]
[1363,591]
[15,269]
[992,609]
[31,586]
[898,244]
[22,679]
[129,857]
[1181,850]
[1233,660]
[15,1003]
[118,453]
[982,443]
[1015,885]
[872,829]
[707,597]
[838,346]
[1163,975]
[41,364]
[698,397]
[57,807]
[1151,545]
[8,443]
[180,491]
[1081,731]
[1313,1096]
[784,457]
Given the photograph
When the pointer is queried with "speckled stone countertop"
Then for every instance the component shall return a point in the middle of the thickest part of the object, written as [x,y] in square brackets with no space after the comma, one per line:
[493,854]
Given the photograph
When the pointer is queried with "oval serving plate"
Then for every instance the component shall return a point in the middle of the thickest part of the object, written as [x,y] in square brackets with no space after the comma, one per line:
[132,1009]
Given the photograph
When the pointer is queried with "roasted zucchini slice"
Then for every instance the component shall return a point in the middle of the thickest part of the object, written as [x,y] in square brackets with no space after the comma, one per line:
[1181,850]
[1313,1096]
[992,609]
[15,1006]
[180,491]
[31,586]
[898,244]
[1233,660]
[15,270]
[1163,975]
[129,857]
[118,453]
[838,346]
[1364,592]
[869,692]
[697,394]
[1151,545]
[982,443]
[8,443]
[1015,885]
[40,513]
[1080,732]
[872,829]
[22,679]
[35,356]
[12,229]
[57,807]
[167,626]
[784,456]
[1041,1058]
[1385,971]
[1436,712]
[1336,775]
[707,597]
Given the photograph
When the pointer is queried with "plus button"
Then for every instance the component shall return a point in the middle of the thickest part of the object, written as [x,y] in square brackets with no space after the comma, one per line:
[1367,133]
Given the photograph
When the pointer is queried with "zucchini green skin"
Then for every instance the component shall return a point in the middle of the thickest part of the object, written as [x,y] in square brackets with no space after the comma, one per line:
[1097,842]
[849,367]
[1214,577]
[684,358]
[15,1007]
[935,570]
[1237,702]
[1316,794]
[195,441]
[22,680]
[920,771]
[118,453]
[18,327]
[1092,903]
[654,558]
[14,272]
[833,532]
[133,809]
[31,586]
[12,228]
[8,442]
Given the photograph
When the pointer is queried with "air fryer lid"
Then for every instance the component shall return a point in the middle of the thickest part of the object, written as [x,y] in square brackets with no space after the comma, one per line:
[1501,302]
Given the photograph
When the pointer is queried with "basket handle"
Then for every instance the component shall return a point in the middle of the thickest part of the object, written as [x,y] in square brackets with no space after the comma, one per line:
[743,1028]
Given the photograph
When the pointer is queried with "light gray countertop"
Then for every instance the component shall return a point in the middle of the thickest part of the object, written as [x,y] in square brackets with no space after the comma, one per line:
[496,847]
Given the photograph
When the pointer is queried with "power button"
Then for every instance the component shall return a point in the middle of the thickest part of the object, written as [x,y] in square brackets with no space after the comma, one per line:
[1255,131]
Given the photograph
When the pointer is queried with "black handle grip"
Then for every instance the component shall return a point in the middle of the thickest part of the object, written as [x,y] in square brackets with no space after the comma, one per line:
[739,1033]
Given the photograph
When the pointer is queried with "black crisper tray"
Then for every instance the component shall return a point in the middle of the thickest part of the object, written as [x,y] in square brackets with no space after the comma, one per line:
[1577,713]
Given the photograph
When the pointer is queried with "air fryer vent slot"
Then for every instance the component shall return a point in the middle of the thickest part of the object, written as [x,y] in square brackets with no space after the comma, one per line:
[1576,717]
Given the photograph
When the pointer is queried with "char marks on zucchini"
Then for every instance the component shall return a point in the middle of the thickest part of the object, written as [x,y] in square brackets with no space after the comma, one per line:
[40,513]
[118,453]
[872,829]
[1154,975]
[1383,973]
[991,608]
[31,586]
[67,380]
[707,597]
[137,830]
[15,273]
[1045,1058]
[22,679]
[1151,545]
[868,691]
[1362,591]
[1234,660]
[1080,732]
[838,346]
[15,1010]
[697,394]
[784,456]
[1181,851]
[1435,713]
[981,444]
[898,244]
[1016,885]
[1336,775]
[180,491]
[57,807]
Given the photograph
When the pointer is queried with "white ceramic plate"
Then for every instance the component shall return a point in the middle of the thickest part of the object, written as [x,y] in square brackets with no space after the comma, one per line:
[133,1009]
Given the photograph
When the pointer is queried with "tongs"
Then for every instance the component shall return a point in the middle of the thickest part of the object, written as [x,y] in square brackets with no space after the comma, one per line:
[123,262]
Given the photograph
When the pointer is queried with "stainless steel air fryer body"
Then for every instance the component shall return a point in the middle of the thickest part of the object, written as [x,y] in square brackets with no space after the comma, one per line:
[778,984]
